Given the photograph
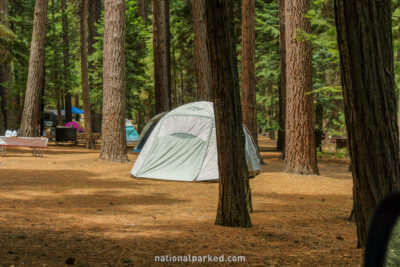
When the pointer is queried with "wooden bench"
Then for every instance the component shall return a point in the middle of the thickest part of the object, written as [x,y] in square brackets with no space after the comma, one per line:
[36,143]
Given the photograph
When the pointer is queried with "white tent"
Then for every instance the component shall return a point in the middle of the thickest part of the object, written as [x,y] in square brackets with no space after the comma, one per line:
[183,147]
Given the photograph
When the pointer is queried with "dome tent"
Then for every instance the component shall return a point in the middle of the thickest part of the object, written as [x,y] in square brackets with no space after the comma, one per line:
[131,134]
[147,131]
[183,147]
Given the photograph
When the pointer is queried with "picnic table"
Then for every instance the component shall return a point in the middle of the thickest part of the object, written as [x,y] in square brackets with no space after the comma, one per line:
[36,143]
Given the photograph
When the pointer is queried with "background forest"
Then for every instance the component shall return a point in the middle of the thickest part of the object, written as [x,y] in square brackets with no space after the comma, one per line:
[62,60]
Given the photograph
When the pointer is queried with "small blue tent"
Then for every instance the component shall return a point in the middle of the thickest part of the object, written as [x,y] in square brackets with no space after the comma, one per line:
[131,133]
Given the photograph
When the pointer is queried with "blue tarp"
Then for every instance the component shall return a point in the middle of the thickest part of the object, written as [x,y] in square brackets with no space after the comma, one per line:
[75,110]
[131,134]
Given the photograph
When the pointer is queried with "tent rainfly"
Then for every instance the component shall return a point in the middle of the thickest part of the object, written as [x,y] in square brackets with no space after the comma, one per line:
[183,147]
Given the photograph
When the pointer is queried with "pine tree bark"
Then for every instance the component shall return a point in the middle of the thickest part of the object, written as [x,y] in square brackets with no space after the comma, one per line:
[249,103]
[162,57]
[203,71]
[300,154]
[35,73]
[66,71]
[113,146]
[282,79]
[232,205]
[84,75]
[364,32]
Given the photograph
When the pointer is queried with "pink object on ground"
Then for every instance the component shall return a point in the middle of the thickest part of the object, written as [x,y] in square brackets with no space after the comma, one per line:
[75,125]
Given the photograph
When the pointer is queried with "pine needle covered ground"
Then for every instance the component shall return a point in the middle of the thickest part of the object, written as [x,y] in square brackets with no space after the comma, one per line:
[70,206]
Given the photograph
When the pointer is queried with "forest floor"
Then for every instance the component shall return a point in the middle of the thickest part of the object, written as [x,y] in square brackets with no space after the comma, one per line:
[72,205]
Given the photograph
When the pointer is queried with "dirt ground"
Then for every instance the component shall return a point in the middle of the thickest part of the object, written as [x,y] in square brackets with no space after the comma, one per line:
[70,206]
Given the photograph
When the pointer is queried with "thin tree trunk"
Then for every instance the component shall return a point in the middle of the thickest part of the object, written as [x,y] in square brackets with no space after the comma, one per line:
[203,71]
[232,205]
[398,101]
[66,71]
[300,154]
[282,80]
[84,75]
[319,116]
[5,72]
[94,15]
[364,32]
[182,84]
[19,110]
[113,147]
[59,113]
[5,105]
[35,72]
[42,104]
[249,103]
[161,46]
[76,100]
[175,92]
[142,10]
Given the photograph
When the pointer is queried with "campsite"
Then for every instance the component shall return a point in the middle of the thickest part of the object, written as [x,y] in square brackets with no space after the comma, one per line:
[199,132]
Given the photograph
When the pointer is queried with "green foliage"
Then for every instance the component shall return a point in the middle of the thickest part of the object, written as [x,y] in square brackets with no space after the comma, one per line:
[183,71]
[15,45]
[267,64]
[57,83]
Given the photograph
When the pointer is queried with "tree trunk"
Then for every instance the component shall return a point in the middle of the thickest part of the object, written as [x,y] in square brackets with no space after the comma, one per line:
[5,105]
[94,11]
[35,72]
[398,100]
[66,71]
[282,81]
[84,75]
[182,85]
[319,117]
[59,113]
[161,47]
[365,44]
[174,94]
[142,10]
[5,72]
[232,205]
[76,100]
[300,154]
[249,103]
[203,72]
[42,104]
[113,147]
[94,16]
